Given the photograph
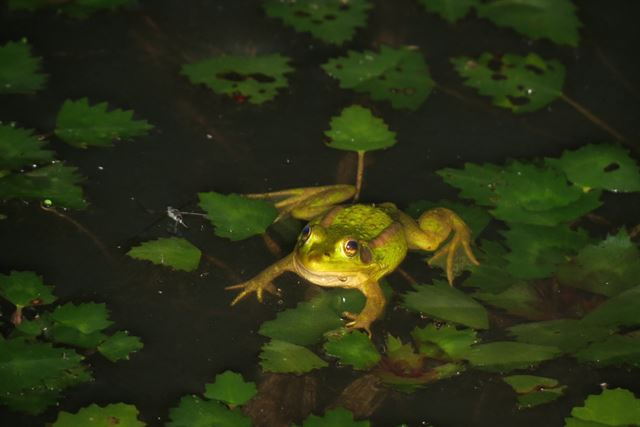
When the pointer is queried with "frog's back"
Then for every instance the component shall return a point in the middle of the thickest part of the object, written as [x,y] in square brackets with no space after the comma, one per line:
[362,221]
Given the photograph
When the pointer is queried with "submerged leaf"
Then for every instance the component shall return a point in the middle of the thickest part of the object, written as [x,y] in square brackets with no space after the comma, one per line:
[533,390]
[230,388]
[19,148]
[332,21]
[617,407]
[520,299]
[338,417]
[519,83]
[115,414]
[236,217]
[119,346]
[451,10]
[620,310]
[569,335]
[25,288]
[19,70]
[175,252]
[256,77]
[357,129]
[283,357]
[397,75]
[508,355]
[194,412]
[353,348]
[615,350]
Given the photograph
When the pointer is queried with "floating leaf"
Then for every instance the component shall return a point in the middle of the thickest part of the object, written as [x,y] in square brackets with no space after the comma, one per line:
[72,336]
[256,77]
[86,318]
[569,335]
[620,310]
[521,299]
[533,390]
[476,182]
[357,129]
[491,276]
[615,350]
[397,75]
[236,217]
[519,83]
[552,19]
[447,303]
[508,355]
[433,341]
[283,357]
[230,388]
[119,346]
[450,10]
[605,268]
[194,412]
[338,417]
[83,125]
[332,21]
[19,148]
[25,288]
[353,348]
[476,218]
[119,414]
[175,252]
[77,9]
[56,182]
[617,407]
[19,70]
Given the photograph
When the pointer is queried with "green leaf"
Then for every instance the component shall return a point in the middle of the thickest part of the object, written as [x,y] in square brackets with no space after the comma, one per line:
[574,422]
[119,346]
[236,217]
[230,388]
[519,83]
[357,129]
[82,125]
[19,148]
[617,407]
[450,10]
[533,390]
[332,21]
[55,182]
[175,252]
[605,268]
[507,355]
[491,276]
[86,318]
[476,218]
[19,70]
[256,77]
[569,335]
[353,348]
[615,350]
[621,310]
[520,299]
[447,303]
[552,19]
[600,166]
[25,288]
[72,336]
[193,412]
[399,76]
[283,357]
[338,417]
[115,414]
[433,340]
[476,182]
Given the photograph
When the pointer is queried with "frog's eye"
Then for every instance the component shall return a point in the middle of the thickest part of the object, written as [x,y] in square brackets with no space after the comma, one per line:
[305,233]
[350,247]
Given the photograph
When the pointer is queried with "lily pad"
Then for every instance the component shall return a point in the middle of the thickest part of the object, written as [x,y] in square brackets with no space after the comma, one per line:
[230,388]
[19,148]
[353,348]
[569,335]
[175,252]
[399,76]
[86,318]
[236,217]
[82,125]
[600,166]
[617,407]
[476,218]
[24,289]
[338,417]
[450,10]
[533,390]
[620,310]
[552,19]
[119,346]
[445,340]
[19,70]
[120,414]
[258,78]
[615,350]
[519,83]
[357,129]
[195,412]
[447,303]
[505,356]
[283,357]
[332,21]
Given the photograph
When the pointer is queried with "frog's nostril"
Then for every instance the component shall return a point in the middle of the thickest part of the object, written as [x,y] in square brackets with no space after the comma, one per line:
[327,254]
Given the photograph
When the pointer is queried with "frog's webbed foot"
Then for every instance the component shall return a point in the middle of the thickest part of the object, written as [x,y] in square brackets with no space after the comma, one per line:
[358,321]
[251,286]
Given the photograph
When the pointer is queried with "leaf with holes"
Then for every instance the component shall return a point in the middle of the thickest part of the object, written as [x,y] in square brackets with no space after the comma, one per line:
[600,166]
[119,346]
[258,78]
[283,357]
[83,125]
[519,83]
[450,10]
[236,217]
[115,414]
[24,289]
[332,21]
[357,129]
[19,70]
[552,19]
[353,348]
[533,390]
[338,417]
[195,412]
[617,407]
[396,75]
[175,252]
[19,148]
[56,183]
[230,388]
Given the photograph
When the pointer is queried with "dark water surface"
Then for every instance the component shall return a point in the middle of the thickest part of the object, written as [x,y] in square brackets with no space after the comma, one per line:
[206,142]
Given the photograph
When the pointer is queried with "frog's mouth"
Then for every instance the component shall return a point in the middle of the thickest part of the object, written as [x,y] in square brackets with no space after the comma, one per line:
[328,278]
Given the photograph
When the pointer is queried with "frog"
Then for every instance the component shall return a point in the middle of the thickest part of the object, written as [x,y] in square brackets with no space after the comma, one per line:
[355,245]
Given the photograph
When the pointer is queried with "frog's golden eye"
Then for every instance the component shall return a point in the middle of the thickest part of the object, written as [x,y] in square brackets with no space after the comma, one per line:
[350,247]
[305,233]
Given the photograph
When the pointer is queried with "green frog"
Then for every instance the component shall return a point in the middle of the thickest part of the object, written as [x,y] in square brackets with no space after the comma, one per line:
[356,245]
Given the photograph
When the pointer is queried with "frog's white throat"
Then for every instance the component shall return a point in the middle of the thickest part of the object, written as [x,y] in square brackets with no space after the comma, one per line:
[327,278]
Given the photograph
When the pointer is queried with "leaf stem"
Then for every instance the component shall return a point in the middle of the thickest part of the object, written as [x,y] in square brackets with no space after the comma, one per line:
[595,119]
[16,317]
[359,175]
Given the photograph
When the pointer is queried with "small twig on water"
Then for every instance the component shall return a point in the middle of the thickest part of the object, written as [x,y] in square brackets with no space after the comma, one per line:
[359,175]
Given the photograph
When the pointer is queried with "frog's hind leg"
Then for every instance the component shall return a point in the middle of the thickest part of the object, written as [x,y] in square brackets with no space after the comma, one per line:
[432,229]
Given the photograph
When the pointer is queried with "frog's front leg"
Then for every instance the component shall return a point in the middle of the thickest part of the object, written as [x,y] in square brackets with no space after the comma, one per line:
[308,202]
[373,307]
[432,229]
[264,280]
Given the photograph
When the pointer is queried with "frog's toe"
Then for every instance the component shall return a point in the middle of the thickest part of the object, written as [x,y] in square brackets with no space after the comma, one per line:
[358,322]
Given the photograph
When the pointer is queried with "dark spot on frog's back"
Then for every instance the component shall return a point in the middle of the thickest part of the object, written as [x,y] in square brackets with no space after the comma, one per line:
[328,218]
[365,255]
[384,237]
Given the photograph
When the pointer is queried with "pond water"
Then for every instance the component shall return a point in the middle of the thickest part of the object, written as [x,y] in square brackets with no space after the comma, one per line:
[202,141]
